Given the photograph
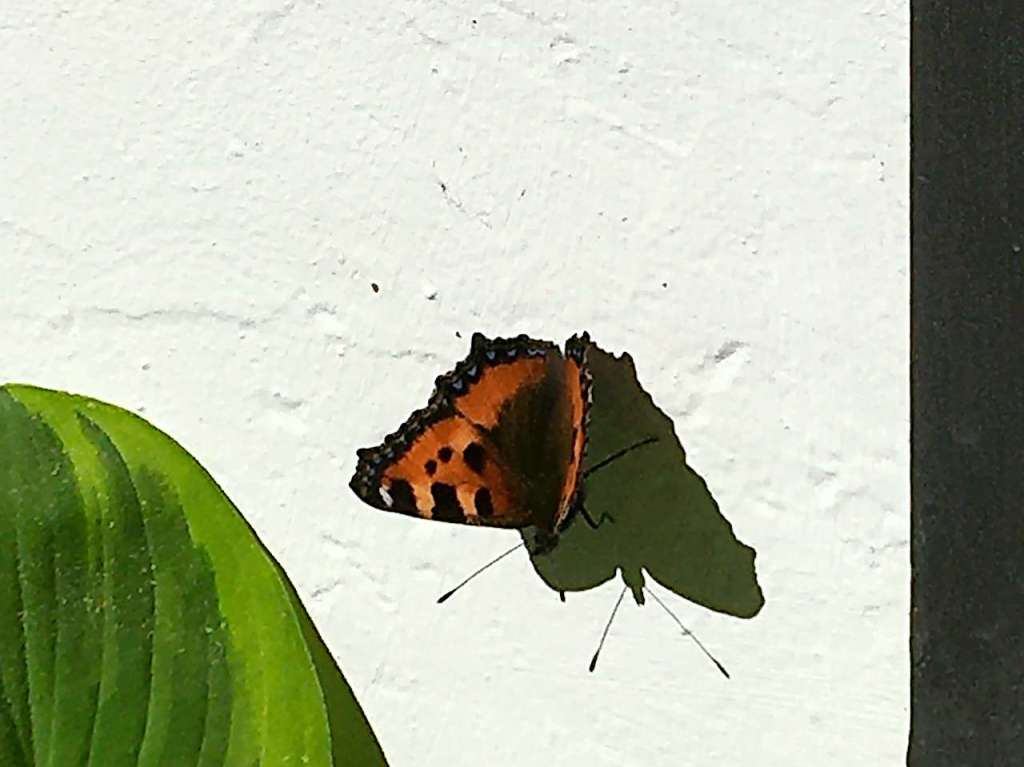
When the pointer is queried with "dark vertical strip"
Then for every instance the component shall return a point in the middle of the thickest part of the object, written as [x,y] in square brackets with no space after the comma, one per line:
[36,520]
[78,588]
[219,683]
[17,745]
[186,597]
[967,383]
[128,611]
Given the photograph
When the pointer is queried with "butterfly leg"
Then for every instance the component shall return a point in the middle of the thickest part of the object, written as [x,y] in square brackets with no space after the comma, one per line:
[590,520]
[542,543]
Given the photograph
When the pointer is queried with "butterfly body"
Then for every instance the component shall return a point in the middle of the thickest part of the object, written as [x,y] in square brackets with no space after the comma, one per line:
[500,443]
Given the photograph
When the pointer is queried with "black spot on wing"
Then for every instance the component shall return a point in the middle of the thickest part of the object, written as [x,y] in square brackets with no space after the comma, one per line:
[446,503]
[402,496]
[474,456]
[430,467]
[482,502]
[445,454]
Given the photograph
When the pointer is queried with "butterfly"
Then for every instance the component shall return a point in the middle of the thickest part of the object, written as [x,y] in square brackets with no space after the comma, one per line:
[500,443]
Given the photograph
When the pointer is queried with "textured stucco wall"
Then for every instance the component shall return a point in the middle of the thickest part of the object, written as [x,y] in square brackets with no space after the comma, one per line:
[193,206]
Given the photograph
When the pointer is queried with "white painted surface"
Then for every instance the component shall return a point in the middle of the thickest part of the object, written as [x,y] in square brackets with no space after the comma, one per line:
[193,204]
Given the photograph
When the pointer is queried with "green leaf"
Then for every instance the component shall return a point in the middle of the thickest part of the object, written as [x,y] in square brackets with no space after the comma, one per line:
[143,622]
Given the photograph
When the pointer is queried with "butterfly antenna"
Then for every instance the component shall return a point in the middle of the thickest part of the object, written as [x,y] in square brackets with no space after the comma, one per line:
[604,635]
[494,561]
[618,454]
[687,631]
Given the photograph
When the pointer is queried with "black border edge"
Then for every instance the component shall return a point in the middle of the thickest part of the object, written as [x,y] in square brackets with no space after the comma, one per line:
[967,383]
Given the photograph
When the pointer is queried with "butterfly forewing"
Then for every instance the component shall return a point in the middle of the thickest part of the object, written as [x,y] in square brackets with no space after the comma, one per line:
[442,475]
[497,372]
[534,439]
[500,443]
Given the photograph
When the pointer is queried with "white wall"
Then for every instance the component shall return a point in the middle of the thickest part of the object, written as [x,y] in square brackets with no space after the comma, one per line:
[193,204]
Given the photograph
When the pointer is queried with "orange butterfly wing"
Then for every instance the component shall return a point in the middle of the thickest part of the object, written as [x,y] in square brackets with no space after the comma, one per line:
[445,475]
[466,456]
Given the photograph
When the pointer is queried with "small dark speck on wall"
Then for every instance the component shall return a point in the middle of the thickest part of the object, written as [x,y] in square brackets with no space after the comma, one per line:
[458,334]
[375,286]
[664,284]
[444,186]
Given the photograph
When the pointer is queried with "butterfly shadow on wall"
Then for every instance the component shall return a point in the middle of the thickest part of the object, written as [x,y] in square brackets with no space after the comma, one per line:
[663,518]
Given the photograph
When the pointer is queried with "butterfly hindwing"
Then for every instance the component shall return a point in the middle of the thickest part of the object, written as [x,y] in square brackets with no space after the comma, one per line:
[499,444]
